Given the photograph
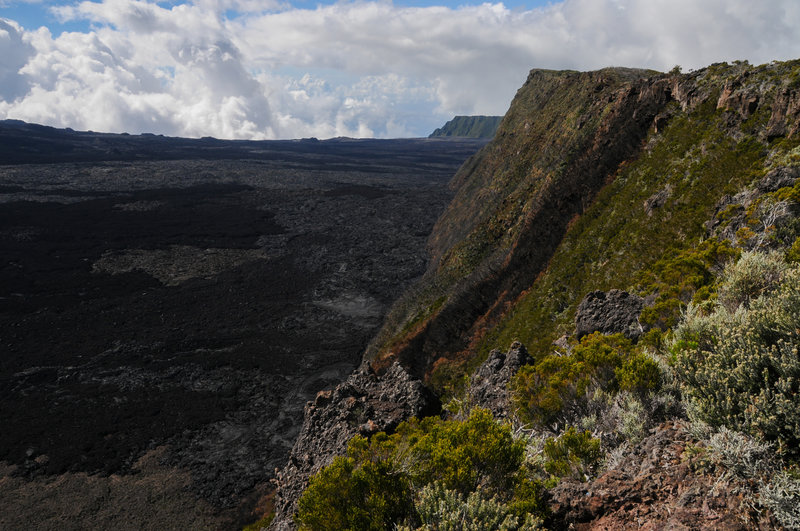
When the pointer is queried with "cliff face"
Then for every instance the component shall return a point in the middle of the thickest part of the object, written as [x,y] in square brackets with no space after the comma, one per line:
[566,137]
[469,127]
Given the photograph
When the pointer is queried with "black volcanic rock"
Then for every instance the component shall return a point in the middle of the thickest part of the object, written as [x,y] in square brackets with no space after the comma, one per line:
[25,143]
[611,312]
[364,404]
[488,387]
[778,178]
[193,304]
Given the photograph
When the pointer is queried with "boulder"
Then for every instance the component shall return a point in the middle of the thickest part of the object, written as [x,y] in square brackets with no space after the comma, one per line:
[488,387]
[611,312]
[363,404]
[778,178]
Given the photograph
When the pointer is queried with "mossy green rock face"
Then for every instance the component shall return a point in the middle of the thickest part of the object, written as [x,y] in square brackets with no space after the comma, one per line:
[469,127]
[591,178]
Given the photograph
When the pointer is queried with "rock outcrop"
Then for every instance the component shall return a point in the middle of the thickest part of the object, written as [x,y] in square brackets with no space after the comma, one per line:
[653,487]
[488,387]
[778,178]
[761,220]
[364,404]
[611,312]
[785,117]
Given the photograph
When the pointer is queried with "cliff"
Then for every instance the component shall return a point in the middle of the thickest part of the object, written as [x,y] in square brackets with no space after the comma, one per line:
[469,127]
[608,205]
[563,138]
[529,232]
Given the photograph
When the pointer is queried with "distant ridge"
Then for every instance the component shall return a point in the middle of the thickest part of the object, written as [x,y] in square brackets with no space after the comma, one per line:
[27,143]
[469,127]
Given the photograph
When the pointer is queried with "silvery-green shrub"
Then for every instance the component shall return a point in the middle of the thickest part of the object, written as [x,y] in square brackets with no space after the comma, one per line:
[443,509]
[753,275]
[782,496]
[739,367]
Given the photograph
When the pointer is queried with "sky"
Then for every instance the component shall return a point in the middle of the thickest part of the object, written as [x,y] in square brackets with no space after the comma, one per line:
[268,69]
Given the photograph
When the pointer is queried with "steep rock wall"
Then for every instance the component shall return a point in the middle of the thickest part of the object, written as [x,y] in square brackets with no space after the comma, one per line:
[563,138]
[566,137]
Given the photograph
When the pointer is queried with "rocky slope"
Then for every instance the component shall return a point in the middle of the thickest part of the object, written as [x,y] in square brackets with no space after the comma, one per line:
[531,195]
[656,486]
[362,405]
[562,138]
[592,181]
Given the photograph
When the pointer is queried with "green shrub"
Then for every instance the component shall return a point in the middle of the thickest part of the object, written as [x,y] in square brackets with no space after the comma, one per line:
[573,454]
[375,485]
[461,455]
[448,510]
[638,373]
[352,495]
[681,277]
[793,252]
[741,369]
[560,389]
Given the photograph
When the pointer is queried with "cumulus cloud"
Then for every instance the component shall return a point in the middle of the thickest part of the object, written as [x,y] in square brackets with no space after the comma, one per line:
[255,69]
[14,54]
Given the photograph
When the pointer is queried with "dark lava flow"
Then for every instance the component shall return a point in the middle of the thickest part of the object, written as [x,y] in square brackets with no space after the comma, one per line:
[198,303]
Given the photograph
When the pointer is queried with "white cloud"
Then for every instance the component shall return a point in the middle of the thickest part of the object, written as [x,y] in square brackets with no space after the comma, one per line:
[352,68]
[14,54]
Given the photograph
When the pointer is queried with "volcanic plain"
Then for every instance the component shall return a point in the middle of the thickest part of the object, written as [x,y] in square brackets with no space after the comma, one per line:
[168,306]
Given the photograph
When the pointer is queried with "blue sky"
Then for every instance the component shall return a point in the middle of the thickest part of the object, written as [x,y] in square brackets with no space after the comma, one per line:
[34,14]
[375,68]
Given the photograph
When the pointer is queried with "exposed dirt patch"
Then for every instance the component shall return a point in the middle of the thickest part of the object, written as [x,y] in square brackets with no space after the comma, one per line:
[656,487]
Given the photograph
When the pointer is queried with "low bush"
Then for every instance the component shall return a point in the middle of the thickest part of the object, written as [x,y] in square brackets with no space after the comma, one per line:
[630,417]
[753,275]
[739,454]
[573,454]
[782,496]
[460,455]
[560,389]
[793,252]
[741,369]
[448,510]
[375,485]
[349,494]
